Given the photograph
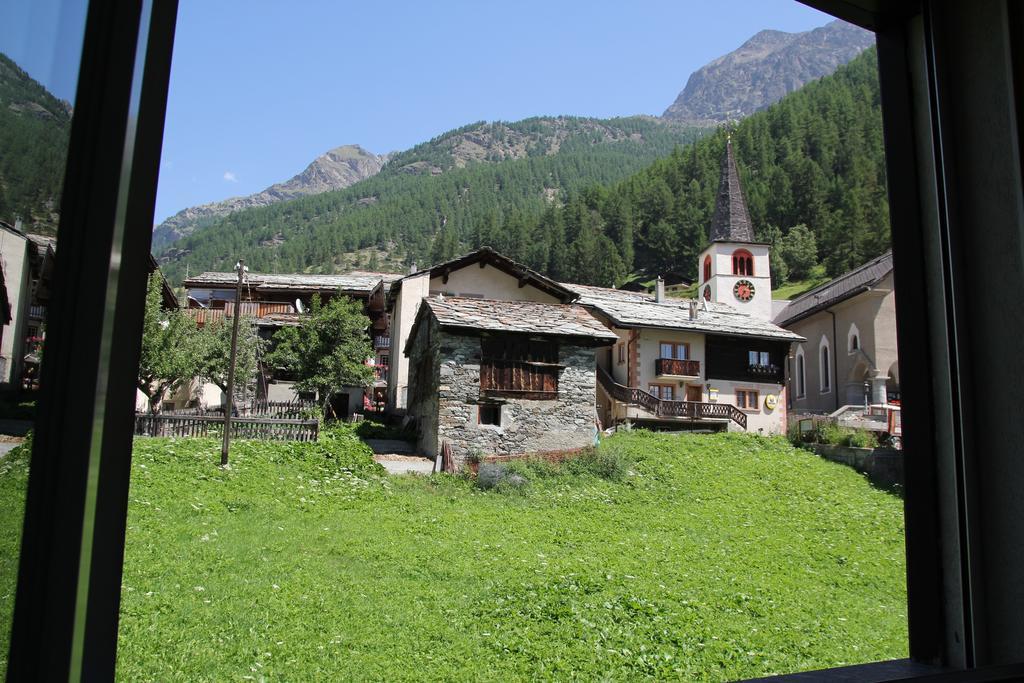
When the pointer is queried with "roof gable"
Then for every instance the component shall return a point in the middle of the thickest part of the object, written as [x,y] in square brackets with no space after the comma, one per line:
[846,286]
[485,256]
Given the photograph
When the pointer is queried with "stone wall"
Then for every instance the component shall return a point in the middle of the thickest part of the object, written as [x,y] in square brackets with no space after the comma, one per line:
[527,426]
[422,385]
[883,466]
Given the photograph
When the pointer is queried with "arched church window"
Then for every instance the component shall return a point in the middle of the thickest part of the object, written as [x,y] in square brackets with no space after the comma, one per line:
[853,338]
[742,262]
[801,381]
[707,268]
[825,366]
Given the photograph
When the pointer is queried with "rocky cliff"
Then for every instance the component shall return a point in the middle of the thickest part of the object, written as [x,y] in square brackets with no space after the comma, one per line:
[763,70]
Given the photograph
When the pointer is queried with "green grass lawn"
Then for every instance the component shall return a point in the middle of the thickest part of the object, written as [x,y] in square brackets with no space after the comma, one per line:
[718,557]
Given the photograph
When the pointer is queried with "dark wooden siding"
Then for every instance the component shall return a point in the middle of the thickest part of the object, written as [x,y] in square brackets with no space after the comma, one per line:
[728,358]
[518,367]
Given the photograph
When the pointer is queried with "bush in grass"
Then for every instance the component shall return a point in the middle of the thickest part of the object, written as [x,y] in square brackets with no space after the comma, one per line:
[833,434]
[608,461]
[861,438]
[504,477]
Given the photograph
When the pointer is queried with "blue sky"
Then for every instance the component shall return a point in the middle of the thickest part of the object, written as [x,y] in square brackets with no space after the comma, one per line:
[259,88]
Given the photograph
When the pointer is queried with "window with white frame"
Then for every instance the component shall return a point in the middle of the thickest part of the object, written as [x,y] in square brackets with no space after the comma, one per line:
[824,366]
[801,374]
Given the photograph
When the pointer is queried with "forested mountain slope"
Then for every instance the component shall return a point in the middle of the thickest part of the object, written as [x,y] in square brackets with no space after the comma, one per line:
[34,129]
[334,170]
[477,180]
[814,159]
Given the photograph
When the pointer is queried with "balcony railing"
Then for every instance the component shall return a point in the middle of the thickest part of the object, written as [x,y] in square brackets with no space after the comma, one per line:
[37,312]
[652,404]
[677,367]
[381,342]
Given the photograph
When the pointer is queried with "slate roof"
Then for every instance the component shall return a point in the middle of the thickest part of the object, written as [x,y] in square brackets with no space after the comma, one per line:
[731,222]
[844,287]
[638,309]
[526,317]
[356,281]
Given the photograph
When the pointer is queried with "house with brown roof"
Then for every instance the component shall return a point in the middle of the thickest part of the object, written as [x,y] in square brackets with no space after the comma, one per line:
[849,357]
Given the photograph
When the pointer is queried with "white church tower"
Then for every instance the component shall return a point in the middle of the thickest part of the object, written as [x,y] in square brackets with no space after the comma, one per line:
[734,268]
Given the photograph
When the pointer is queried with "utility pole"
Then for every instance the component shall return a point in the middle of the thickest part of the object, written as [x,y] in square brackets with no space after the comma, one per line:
[241,270]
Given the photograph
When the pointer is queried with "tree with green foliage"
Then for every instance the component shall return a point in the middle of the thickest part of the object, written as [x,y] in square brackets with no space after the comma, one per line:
[777,262]
[328,350]
[799,249]
[215,349]
[171,350]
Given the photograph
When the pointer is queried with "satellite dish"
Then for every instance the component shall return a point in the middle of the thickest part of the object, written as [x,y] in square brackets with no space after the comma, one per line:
[298,306]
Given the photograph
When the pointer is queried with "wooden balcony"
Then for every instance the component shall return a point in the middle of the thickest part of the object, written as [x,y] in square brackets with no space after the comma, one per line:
[676,368]
[694,410]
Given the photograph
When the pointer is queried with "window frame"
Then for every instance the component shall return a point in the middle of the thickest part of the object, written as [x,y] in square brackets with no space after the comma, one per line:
[743,263]
[947,494]
[800,372]
[746,403]
[675,349]
[661,387]
[825,379]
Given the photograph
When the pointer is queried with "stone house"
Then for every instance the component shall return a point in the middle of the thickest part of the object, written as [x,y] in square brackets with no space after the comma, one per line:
[850,353]
[506,377]
[482,274]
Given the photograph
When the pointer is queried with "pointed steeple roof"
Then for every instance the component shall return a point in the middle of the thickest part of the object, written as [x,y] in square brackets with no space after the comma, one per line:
[732,220]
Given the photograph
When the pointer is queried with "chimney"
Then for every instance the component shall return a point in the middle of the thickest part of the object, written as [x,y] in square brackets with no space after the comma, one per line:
[693,309]
[412,269]
[659,290]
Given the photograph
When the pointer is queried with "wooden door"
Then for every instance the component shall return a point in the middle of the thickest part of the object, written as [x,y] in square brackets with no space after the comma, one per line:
[694,392]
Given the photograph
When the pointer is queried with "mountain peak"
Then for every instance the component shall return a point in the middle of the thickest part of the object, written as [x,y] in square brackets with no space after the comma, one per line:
[762,70]
[335,169]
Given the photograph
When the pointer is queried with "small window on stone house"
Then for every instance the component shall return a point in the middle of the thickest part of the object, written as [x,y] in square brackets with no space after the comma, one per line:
[489,414]
[519,367]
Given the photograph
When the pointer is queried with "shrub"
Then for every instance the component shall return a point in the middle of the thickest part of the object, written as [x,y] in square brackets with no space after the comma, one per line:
[861,438]
[608,461]
[832,434]
[503,477]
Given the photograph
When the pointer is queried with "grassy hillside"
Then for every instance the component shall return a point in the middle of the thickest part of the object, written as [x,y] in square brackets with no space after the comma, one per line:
[717,558]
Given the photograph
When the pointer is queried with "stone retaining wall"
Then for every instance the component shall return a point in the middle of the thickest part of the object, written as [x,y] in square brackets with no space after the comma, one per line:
[883,466]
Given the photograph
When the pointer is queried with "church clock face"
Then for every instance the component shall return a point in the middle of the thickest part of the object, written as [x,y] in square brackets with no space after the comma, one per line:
[744,290]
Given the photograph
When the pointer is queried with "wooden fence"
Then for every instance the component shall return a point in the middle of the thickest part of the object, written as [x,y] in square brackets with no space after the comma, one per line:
[211,425]
[281,410]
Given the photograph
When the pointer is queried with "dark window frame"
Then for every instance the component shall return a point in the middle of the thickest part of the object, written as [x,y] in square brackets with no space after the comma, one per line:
[934,141]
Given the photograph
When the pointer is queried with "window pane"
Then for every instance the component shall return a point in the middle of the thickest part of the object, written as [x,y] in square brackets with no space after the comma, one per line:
[666,350]
[40,45]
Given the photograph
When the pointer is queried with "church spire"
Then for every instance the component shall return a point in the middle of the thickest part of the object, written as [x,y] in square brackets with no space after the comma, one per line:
[732,220]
